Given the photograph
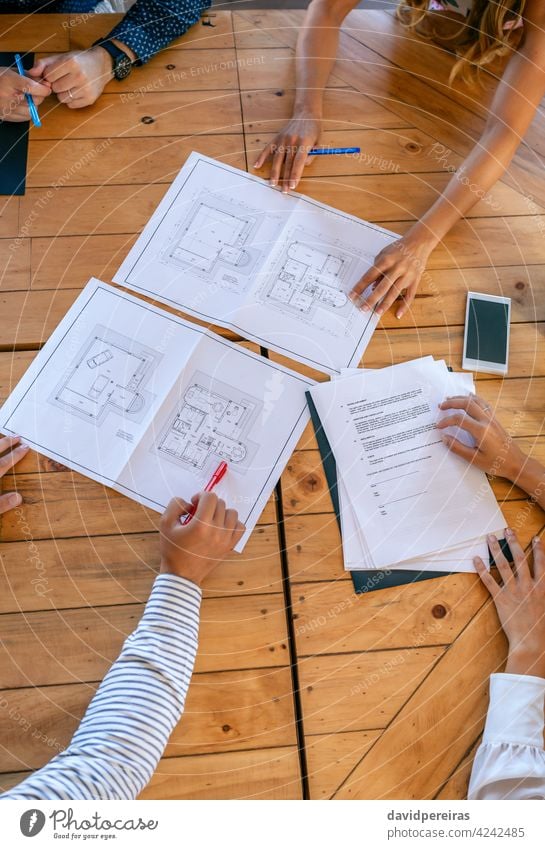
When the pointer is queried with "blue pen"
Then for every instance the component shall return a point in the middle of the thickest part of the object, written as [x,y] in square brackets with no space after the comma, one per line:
[322,151]
[32,108]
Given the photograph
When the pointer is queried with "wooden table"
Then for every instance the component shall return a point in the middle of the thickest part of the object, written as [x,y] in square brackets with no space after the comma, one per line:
[301,688]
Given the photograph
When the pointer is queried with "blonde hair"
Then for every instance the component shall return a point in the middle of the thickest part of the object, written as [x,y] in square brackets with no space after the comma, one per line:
[486,36]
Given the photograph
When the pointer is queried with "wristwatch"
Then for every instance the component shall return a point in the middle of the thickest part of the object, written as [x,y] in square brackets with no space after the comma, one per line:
[122,64]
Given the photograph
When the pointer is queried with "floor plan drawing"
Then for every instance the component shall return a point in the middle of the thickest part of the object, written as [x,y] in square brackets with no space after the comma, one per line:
[210,423]
[108,375]
[215,241]
[309,275]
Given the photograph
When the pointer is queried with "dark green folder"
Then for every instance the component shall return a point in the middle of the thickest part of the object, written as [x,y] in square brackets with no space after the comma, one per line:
[367,580]
[14,142]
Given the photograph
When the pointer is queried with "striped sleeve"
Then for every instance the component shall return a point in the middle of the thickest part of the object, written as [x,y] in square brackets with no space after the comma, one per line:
[115,750]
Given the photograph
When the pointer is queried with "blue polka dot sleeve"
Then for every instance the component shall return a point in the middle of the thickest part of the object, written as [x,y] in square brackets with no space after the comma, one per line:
[150,25]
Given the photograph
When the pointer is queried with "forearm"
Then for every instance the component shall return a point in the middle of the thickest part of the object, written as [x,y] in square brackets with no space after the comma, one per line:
[471,182]
[510,762]
[151,25]
[530,476]
[316,53]
[115,750]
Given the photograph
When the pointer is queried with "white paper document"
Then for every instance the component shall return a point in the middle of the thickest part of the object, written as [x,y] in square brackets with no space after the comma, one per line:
[225,247]
[150,404]
[403,495]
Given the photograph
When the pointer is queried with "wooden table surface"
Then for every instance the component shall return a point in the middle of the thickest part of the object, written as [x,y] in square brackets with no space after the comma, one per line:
[301,688]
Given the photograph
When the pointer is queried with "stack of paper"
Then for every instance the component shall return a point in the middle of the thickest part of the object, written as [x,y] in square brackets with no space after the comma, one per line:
[406,500]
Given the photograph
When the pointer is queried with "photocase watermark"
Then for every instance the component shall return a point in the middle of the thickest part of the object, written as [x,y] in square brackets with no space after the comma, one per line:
[395,660]
[533,209]
[441,155]
[372,582]
[39,581]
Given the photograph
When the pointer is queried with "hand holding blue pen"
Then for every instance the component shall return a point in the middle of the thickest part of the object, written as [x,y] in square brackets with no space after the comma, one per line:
[31,105]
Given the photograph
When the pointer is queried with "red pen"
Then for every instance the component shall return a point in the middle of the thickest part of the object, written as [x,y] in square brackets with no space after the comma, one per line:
[218,475]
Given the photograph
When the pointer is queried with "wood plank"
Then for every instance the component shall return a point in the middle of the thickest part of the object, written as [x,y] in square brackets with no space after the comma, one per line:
[411,760]
[9,217]
[31,33]
[360,691]
[73,646]
[67,262]
[249,34]
[331,618]
[86,162]
[149,112]
[11,779]
[457,784]
[120,569]
[15,259]
[214,30]
[314,550]
[396,196]
[260,68]
[384,151]
[38,313]
[89,210]
[66,504]
[265,774]
[331,756]
[267,110]
[224,711]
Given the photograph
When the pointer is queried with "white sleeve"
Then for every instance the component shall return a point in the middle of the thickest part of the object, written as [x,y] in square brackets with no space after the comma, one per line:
[510,762]
[115,750]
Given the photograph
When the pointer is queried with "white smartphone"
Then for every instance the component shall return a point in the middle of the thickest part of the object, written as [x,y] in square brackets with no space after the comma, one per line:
[486,337]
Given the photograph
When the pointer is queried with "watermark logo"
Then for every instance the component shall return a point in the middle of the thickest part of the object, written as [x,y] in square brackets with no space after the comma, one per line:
[32,822]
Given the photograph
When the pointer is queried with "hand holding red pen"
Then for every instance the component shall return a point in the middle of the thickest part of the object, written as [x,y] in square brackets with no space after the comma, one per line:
[218,475]
[191,551]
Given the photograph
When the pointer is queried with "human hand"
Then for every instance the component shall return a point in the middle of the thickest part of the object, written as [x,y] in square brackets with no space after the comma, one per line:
[13,87]
[520,603]
[495,452]
[11,451]
[395,273]
[77,78]
[289,151]
[192,551]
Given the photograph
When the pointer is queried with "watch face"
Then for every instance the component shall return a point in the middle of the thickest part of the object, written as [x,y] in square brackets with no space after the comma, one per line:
[123,67]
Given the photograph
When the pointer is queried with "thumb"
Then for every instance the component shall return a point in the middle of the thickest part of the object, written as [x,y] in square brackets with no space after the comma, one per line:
[176,507]
[38,69]
[30,86]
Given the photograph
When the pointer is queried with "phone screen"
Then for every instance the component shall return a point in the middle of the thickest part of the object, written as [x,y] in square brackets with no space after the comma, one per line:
[487,331]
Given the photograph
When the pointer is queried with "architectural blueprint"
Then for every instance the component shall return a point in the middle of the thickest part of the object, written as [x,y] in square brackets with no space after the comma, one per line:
[108,375]
[307,275]
[149,404]
[215,242]
[227,248]
[211,423]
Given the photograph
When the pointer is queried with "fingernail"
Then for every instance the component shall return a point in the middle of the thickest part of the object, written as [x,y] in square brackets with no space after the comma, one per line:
[273,183]
[536,540]
[399,315]
[491,538]
[292,185]
[14,499]
[509,532]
